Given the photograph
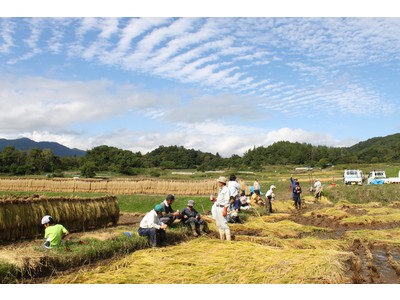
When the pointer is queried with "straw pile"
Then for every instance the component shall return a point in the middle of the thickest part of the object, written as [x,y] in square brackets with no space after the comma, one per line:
[20,217]
[210,261]
[113,186]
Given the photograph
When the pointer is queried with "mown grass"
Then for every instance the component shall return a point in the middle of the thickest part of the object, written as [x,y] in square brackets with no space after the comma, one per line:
[210,261]
[275,255]
[74,253]
[384,236]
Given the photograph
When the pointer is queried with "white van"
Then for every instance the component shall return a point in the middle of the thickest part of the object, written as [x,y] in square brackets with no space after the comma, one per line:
[353,177]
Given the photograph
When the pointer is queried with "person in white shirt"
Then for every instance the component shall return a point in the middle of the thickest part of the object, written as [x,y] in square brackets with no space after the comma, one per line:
[269,196]
[234,189]
[219,209]
[317,189]
[152,227]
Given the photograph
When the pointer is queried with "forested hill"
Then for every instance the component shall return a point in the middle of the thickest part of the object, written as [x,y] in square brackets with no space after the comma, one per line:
[383,148]
[25,144]
[106,158]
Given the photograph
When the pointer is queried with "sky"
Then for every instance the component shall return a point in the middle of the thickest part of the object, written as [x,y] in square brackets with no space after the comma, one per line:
[215,84]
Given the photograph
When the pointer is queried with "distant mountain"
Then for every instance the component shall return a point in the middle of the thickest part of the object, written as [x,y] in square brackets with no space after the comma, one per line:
[26,144]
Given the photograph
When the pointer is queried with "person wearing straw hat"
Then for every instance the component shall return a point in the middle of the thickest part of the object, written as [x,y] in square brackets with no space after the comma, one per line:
[152,227]
[192,218]
[219,209]
[53,233]
[269,196]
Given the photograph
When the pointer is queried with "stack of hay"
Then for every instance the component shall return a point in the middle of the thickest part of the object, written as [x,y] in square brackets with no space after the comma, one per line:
[20,216]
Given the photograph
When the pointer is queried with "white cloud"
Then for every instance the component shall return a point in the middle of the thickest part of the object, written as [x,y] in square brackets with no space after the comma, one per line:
[35,103]
[6,35]
[303,136]
[208,136]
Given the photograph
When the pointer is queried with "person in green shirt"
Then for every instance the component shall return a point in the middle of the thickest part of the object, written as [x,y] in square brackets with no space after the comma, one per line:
[53,233]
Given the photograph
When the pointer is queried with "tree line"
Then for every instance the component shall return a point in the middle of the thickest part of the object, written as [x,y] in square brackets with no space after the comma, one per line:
[111,159]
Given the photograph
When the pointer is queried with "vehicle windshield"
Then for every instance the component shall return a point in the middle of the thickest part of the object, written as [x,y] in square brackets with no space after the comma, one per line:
[352,173]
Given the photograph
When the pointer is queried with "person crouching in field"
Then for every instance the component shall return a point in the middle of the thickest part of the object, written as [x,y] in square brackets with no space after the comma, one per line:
[256,199]
[169,215]
[53,233]
[296,195]
[152,227]
[244,202]
[219,209]
[191,217]
[232,211]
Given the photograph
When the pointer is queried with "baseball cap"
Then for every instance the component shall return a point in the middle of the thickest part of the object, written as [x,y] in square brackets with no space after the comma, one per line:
[46,219]
[159,208]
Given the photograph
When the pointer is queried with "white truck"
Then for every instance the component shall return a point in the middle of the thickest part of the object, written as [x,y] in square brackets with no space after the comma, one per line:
[379,177]
[353,177]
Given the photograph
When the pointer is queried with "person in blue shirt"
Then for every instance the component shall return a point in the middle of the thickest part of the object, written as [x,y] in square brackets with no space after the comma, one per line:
[293,181]
[296,197]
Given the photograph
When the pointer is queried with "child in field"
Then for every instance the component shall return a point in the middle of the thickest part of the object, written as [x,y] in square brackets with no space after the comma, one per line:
[244,202]
[53,233]
[232,211]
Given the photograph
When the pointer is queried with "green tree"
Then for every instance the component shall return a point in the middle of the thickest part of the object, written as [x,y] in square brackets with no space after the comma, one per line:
[88,170]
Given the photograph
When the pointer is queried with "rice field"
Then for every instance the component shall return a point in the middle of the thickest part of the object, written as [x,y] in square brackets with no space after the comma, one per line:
[338,242]
[285,247]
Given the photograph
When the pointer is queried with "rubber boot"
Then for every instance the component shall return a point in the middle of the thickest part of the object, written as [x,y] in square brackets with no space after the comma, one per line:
[205,228]
[228,234]
[222,234]
[194,229]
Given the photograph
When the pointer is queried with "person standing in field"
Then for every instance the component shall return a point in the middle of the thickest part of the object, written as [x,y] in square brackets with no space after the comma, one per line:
[53,233]
[151,226]
[296,197]
[169,215]
[234,189]
[317,190]
[219,209]
[269,197]
[293,181]
[256,186]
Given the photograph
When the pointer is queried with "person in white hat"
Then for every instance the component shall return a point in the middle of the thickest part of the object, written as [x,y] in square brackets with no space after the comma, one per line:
[317,190]
[269,196]
[53,233]
[219,209]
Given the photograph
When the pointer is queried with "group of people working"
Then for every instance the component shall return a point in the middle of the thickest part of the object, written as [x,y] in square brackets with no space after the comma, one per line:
[225,210]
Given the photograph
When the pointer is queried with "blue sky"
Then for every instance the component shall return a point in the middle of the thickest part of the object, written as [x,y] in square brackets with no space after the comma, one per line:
[214,84]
